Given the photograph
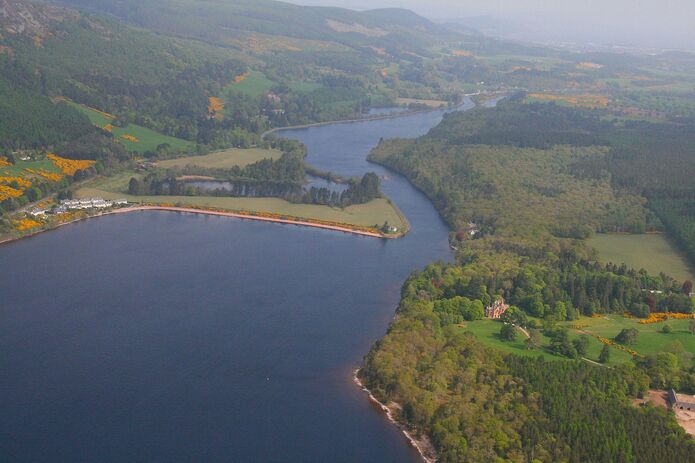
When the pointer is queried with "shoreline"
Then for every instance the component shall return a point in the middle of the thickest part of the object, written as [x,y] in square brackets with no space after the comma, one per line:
[422,444]
[380,117]
[238,215]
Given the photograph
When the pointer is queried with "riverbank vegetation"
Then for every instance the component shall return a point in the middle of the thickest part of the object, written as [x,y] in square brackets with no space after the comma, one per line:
[523,186]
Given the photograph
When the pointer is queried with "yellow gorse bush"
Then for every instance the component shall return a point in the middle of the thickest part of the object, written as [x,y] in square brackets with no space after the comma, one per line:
[241,77]
[69,166]
[612,343]
[27,224]
[130,138]
[7,192]
[22,183]
[48,175]
[216,106]
[658,317]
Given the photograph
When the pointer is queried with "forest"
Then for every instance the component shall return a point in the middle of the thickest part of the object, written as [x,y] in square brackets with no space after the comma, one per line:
[532,195]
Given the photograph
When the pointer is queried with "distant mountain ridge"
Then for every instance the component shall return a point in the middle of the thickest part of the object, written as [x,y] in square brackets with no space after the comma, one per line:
[220,22]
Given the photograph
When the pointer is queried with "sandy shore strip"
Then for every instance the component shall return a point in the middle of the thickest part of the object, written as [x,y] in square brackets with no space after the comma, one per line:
[239,215]
[421,444]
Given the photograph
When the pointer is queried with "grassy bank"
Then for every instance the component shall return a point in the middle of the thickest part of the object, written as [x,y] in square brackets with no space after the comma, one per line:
[134,137]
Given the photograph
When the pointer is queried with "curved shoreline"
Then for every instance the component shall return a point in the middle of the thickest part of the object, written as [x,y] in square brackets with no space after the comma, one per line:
[422,445]
[238,215]
[379,117]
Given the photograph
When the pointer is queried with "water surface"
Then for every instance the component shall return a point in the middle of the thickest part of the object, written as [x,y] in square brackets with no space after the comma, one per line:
[157,336]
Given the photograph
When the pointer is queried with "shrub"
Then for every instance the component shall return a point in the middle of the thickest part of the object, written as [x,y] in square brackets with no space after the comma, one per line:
[627,336]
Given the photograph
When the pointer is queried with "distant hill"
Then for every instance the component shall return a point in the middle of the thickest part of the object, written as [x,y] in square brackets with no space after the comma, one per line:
[226,22]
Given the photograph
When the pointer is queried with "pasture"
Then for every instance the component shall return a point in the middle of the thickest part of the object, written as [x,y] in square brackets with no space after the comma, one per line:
[654,252]
[222,159]
[253,84]
[19,169]
[134,137]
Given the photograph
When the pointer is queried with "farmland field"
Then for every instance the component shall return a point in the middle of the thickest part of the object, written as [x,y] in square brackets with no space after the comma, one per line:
[134,137]
[254,84]
[653,252]
[375,212]
[223,159]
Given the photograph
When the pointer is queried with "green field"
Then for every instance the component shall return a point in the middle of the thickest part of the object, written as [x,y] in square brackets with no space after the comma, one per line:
[148,140]
[653,252]
[650,340]
[18,169]
[304,87]
[366,215]
[256,84]
[488,332]
[223,159]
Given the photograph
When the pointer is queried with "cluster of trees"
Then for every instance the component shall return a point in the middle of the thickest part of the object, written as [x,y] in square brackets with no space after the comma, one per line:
[357,192]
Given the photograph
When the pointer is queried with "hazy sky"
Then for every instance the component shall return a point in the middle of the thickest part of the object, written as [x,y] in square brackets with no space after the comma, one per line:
[660,23]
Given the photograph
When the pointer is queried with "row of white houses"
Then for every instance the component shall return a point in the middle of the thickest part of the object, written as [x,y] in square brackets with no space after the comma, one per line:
[80,204]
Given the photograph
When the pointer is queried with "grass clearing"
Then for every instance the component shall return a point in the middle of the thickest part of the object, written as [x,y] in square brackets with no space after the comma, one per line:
[653,252]
[134,137]
[649,341]
[254,84]
[19,168]
[223,159]
[375,212]
[488,332]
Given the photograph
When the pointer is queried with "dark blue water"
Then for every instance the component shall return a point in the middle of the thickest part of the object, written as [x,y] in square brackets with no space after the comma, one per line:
[170,337]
